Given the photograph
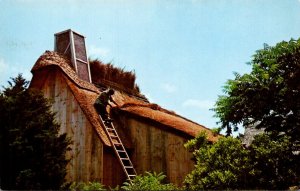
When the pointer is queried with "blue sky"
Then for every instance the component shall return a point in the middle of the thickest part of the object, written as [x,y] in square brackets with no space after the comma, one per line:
[182,51]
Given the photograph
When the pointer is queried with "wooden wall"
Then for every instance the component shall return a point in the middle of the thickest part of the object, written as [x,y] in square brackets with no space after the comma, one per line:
[113,173]
[158,150]
[153,149]
[87,149]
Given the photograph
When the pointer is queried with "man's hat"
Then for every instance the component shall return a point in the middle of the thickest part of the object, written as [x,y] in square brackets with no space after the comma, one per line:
[111,91]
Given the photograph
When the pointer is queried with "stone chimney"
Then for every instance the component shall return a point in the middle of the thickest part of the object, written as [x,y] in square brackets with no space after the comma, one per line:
[72,45]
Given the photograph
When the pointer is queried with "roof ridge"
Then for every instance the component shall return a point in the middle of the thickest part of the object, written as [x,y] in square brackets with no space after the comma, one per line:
[51,58]
[158,107]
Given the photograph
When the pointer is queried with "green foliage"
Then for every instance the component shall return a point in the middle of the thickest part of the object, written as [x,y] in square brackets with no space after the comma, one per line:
[274,163]
[90,186]
[150,181]
[222,165]
[216,131]
[194,144]
[32,151]
[226,164]
[269,96]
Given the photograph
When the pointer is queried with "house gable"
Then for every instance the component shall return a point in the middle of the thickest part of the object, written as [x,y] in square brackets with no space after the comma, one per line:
[86,150]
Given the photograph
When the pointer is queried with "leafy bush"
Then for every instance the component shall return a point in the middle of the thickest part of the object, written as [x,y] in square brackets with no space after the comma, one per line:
[90,186]
[150,181]
[274,163]
[227,164]
[222,165]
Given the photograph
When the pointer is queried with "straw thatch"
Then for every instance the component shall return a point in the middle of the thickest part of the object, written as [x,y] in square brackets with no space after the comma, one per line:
[113,76]
[50,58]
[170,120]
[86,93]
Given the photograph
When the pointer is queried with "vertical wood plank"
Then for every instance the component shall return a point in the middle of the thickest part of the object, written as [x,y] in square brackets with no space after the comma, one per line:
[156,149]
[88,144]
[113,173]
[160,151]
[97,158]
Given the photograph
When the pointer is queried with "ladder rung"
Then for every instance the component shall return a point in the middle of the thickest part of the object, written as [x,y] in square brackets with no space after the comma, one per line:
[120,151]
[128,166]
[110,129]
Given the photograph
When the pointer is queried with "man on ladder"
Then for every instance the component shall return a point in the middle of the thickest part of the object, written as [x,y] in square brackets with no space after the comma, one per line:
[101,103]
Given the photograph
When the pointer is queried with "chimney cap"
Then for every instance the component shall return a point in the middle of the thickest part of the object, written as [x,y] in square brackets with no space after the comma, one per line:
[69,30]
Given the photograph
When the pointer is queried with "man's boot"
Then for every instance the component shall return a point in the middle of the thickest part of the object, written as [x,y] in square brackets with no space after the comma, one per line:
[108,120]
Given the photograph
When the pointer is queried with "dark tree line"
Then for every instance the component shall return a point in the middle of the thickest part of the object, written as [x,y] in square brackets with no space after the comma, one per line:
[32,150]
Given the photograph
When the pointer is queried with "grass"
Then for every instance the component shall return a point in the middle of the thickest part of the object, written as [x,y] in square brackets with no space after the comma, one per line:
[101,72]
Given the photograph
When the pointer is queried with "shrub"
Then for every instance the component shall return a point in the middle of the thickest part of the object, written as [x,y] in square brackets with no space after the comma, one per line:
[90,186]
[150,181]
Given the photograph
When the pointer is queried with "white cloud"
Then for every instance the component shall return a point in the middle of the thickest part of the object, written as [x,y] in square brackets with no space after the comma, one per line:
[202,104]
[169,88]
[98,52]
[3,66]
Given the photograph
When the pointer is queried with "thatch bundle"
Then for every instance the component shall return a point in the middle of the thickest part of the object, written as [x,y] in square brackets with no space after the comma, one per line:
[102,73]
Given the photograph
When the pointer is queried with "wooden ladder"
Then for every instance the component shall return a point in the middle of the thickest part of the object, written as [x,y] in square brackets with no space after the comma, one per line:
[119,149]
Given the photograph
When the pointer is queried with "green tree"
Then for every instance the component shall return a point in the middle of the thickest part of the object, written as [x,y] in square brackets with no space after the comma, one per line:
[227,164]
[223,165]
[32,151]
[274,164]
[269,96]
[150,181]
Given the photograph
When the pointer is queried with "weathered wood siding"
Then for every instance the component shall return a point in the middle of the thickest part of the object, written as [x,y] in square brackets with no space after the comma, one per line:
[152,148]
[158,150]
[87,149]
[113,173]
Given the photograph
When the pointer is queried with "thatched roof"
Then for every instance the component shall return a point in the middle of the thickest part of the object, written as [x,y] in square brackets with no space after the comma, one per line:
[169,119]
[109,75]
[86,94]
